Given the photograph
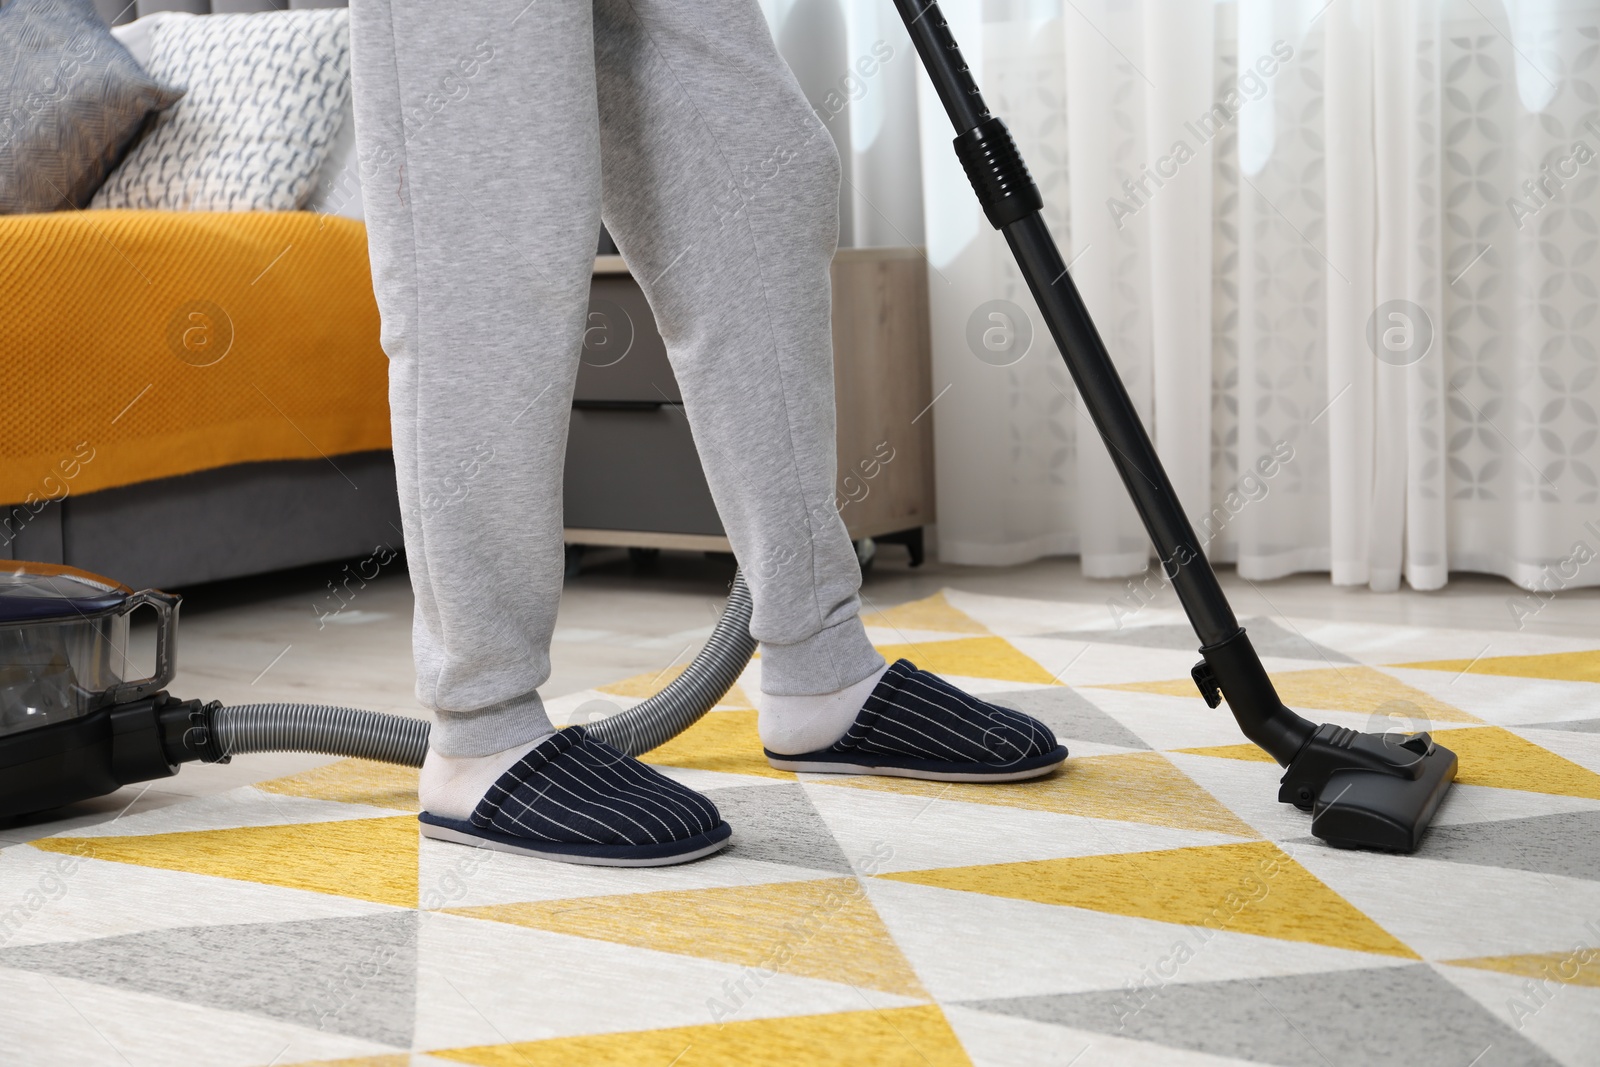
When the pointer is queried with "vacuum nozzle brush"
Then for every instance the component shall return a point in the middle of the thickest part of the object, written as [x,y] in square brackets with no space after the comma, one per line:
[1371,791]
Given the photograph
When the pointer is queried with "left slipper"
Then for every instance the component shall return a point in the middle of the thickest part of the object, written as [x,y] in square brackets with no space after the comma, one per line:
[917,725]
[575,799]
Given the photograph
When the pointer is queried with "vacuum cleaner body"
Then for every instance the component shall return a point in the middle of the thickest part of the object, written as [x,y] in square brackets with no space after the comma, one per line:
[63,763]
[72,724]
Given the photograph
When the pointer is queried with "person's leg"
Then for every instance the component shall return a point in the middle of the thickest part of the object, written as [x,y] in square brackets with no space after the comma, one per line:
[477,138]
[477,132]
[722,190]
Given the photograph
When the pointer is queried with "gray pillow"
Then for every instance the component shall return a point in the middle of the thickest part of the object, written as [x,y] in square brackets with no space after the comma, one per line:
[72,100]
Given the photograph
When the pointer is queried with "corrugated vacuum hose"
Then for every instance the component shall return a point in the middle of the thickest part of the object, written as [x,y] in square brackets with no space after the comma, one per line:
[333,731]
[336,731]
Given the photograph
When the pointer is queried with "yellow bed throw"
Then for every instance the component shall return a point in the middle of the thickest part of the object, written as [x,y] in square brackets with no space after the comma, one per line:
[144,344]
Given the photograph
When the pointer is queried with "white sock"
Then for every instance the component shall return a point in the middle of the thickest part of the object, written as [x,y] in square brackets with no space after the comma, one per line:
[452,786]
[791,725]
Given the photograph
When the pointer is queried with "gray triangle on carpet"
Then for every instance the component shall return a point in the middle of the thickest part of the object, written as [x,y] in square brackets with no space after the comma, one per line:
[1562,843]
[1574,726]
[778,824]
[1070,714]
[1266,637]
[355,976]
[1407,1014]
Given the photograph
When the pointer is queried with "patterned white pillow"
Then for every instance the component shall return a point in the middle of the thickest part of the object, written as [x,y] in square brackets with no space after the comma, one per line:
[265,100]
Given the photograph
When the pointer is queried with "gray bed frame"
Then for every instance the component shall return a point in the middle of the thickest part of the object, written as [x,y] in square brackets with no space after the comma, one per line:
[226,523]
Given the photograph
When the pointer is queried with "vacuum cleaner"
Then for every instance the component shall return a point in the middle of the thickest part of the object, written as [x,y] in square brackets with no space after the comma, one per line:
[72,727]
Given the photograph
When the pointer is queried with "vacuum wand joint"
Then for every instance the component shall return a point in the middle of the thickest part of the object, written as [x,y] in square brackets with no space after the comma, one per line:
[997,173]
[1232,669]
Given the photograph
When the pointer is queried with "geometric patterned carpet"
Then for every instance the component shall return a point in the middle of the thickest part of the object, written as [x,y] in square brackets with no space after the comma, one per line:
[1152,903]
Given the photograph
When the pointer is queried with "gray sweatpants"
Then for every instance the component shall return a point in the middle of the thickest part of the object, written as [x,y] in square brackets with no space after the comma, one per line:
[484,131]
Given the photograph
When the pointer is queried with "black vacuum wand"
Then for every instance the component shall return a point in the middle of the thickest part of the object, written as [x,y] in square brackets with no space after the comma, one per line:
[1363,790]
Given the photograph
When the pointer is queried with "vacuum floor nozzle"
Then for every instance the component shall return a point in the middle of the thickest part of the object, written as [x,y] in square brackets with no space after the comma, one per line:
[1372,810]
[1369,791]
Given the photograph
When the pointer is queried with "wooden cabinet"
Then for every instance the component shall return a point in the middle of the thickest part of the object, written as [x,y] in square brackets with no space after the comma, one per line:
[882,383]
[632,475]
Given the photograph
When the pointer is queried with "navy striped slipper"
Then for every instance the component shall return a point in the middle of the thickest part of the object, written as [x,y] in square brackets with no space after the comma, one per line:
[917,725]
[576,799]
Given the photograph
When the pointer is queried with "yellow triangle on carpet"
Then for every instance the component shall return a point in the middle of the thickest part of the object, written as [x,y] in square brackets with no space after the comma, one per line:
[972,657]
[1560,666]
[823,929]
[1496,757]
[930,613]
[1143,787]
[370,859]
[1574,967]
[893,1037]
[1352,687]
[736,697]
[644,685]
[353,781]
[1489,756]
[648,685]
[724,741]
[1249,888]
[1246,751]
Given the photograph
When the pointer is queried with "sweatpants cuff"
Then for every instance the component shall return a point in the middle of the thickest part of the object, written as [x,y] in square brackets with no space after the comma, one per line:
[837,657]
[520,721]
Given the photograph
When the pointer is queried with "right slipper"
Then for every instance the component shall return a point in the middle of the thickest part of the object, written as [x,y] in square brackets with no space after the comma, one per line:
[576,799]
[917,725]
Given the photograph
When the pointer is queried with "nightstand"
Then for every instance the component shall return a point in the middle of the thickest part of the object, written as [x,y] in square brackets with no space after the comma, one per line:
[633,477]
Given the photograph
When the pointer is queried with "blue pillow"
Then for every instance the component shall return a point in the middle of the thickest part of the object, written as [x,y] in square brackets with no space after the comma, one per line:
[72,101]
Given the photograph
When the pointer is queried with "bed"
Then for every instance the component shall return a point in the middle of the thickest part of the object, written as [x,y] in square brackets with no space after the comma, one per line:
[191,395]
[194,395]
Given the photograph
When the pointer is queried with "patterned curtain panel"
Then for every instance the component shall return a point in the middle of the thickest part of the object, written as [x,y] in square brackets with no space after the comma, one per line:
[1345,255]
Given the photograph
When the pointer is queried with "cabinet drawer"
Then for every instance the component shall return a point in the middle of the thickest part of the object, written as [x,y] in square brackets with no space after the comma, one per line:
[636,469]
[624,359]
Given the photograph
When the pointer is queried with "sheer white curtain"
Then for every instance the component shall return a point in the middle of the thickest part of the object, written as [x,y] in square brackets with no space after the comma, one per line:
[1343,253]
[860,72]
